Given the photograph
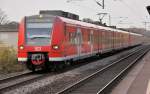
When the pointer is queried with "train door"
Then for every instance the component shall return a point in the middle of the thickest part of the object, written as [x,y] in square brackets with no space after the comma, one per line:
[91,41]
[112,39]
[79,42]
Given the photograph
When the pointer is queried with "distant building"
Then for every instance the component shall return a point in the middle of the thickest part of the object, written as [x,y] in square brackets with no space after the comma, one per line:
[9,34]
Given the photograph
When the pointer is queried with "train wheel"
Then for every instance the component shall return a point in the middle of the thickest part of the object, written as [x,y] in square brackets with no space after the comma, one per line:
[67,63]
[58,66]
[71,62]
[45,67]
[33,68]
[30,66]
[61,66]
[54,68]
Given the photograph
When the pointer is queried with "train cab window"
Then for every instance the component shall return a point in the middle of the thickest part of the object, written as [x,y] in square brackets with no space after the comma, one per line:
[38,33]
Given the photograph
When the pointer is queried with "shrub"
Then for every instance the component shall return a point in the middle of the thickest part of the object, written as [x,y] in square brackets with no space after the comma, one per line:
[8,60]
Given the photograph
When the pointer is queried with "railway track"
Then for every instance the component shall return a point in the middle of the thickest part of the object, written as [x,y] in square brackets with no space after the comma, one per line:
[14,77]
[19,80]
[104,79]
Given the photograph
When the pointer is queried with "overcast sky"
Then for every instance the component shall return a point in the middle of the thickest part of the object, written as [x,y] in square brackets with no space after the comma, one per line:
[124,13]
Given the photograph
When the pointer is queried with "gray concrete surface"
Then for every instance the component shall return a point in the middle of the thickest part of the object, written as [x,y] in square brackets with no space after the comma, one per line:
[137,80]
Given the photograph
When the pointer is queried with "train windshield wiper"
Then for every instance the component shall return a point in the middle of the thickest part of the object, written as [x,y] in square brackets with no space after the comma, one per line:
[38,36]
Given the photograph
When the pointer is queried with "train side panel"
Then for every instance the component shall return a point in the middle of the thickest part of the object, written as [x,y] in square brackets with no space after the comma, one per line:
[57,40]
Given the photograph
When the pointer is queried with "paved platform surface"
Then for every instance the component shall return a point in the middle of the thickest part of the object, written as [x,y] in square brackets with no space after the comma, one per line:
[137,81]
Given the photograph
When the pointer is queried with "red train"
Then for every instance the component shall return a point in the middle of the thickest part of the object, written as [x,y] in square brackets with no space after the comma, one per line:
[46,41]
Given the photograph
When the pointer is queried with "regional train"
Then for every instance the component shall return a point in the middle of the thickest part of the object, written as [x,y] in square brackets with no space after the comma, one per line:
[47,41]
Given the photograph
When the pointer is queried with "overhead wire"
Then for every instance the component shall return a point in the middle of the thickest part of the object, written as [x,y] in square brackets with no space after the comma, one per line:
[134,12]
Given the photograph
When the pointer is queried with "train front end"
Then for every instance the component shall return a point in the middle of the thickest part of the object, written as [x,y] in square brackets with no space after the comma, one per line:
[34,41]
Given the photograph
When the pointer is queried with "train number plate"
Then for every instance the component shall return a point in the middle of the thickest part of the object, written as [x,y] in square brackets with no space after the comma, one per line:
[37,59]
[37,48]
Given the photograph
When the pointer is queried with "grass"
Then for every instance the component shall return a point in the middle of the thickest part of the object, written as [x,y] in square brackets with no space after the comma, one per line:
[8,60]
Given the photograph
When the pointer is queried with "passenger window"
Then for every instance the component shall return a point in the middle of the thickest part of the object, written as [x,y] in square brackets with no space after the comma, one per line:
[72,38]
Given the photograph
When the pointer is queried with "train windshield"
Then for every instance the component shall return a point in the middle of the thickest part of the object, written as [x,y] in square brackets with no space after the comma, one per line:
[38,34]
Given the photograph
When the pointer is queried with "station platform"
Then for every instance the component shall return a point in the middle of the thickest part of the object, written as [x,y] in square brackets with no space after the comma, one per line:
[137,81]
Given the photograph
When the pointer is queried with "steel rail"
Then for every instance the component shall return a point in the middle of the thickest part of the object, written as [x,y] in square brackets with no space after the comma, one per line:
[108,86]
[12,84]
[84,80]
[14,77]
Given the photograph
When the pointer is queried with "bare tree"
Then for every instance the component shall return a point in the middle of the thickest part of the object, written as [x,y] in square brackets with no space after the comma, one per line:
[3,18]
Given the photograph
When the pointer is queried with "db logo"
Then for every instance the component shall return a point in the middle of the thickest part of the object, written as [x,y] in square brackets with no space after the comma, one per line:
[37,48]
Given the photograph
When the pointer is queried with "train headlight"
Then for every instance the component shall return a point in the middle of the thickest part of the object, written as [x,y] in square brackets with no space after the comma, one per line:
[55,47]
[21,47]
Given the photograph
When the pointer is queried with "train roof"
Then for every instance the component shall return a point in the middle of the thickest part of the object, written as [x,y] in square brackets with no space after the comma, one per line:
[136,34]
[80,23]
[75,22]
